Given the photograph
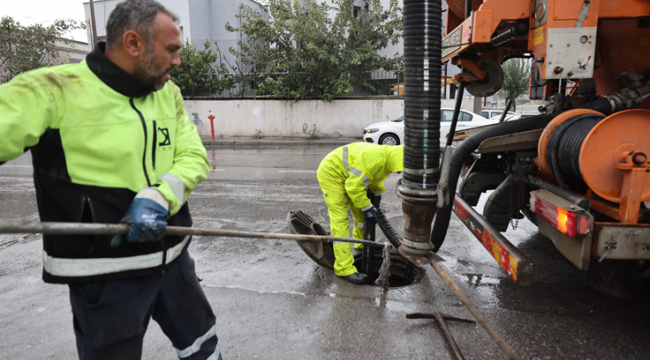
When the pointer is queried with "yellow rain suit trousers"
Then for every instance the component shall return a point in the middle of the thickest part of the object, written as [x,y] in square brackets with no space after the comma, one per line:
[343,175]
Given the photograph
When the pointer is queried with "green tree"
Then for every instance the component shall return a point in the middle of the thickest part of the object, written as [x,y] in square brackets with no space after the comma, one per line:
[516,78]
[24,48]
[298,51]
[198,74]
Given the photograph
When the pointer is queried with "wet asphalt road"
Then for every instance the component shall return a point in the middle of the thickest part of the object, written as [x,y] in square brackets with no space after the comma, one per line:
[273,302]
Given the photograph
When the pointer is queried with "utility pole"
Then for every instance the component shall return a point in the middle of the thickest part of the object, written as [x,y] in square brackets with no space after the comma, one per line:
[92,23]
[477,105]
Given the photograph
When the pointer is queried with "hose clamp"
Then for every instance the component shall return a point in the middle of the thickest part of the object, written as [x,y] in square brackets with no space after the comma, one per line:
[421,171]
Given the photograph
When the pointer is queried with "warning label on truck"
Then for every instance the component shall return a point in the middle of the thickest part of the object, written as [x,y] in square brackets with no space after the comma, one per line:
[538,35]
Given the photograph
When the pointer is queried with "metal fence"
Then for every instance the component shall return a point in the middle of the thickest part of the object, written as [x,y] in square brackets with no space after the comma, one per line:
[373,83]
[5,78]
[381,83]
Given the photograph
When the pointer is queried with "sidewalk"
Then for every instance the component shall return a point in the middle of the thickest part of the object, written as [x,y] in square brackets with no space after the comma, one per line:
[243,141]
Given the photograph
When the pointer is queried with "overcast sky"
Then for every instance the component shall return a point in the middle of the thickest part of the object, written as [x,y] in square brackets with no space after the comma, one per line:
[29,12]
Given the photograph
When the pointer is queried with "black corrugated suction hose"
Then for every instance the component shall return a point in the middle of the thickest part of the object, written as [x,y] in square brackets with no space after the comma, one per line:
[422,24]
[388,229]
[368,252]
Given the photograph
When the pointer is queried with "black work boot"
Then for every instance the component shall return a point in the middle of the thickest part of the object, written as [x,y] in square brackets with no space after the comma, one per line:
[356,278]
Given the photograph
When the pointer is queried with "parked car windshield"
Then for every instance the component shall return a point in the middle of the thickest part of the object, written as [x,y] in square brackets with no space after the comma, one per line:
[399,119]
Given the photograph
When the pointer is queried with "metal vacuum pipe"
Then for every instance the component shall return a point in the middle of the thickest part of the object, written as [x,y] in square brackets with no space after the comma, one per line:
[422,48]
[65,228]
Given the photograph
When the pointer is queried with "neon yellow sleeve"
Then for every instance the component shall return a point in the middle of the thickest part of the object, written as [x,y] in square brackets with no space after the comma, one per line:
[191,165]
[359,178]
[28,107]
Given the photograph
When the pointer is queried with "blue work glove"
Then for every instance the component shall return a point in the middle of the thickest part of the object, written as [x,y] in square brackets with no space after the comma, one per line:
[148,220]
[370,215]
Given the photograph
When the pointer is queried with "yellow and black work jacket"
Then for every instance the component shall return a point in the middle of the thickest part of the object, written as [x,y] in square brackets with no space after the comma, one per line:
[98,136]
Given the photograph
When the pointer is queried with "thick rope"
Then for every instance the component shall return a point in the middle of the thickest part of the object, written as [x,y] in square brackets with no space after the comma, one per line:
[384,271]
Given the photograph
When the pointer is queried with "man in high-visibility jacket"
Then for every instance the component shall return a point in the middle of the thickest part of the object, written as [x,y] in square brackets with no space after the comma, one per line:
[110,142]
[343,175]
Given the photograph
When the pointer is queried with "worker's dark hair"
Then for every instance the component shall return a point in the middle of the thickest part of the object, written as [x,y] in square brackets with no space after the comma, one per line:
[137,15]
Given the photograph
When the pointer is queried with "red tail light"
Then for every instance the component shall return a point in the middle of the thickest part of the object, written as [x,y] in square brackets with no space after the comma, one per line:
[568,222]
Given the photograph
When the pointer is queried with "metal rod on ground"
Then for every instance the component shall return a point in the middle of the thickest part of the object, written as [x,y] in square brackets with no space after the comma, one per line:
[505,112]
[60,228]
[472,309]
[440,319]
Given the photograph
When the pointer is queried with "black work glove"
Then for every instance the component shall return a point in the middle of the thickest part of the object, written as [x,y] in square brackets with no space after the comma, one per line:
[375,200]
[370,215]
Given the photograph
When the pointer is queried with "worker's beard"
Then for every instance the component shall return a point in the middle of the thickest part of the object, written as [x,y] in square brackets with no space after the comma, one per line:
[147,70]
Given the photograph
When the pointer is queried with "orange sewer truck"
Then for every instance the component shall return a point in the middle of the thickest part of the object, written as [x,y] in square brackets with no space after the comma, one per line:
[581,171]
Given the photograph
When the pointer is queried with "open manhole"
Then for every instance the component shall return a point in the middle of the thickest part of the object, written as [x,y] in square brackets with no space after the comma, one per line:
[402,271]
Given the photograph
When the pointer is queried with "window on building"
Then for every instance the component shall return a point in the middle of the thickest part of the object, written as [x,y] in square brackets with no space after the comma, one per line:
[356,12]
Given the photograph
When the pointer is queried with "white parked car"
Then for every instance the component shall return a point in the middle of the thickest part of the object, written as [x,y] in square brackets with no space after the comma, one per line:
[490,113]
[510,117]
[392,132]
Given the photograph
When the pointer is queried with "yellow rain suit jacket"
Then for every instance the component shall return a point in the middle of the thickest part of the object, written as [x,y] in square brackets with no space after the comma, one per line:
[343,175]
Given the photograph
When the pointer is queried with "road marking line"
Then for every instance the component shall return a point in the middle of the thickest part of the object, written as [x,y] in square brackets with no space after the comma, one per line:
[297,171]
[217,169]
[25,166]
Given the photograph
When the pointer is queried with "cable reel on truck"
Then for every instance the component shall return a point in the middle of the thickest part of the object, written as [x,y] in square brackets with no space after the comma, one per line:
[606,155]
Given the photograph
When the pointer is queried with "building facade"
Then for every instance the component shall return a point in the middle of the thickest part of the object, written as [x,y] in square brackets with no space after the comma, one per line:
[199,20]
[205,20]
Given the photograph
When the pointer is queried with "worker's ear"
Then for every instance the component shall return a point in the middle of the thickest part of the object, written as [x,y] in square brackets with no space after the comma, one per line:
[134,43]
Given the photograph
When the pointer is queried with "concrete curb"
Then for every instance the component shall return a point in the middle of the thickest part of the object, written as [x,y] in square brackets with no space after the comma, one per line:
[276,142]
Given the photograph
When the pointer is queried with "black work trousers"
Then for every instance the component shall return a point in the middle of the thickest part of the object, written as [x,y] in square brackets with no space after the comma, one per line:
[111,317]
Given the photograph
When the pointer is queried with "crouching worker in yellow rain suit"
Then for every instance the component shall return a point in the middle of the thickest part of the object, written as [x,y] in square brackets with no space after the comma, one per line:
[343,175]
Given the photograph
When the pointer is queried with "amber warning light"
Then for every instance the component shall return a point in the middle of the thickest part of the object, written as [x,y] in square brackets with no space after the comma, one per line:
[570,223]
